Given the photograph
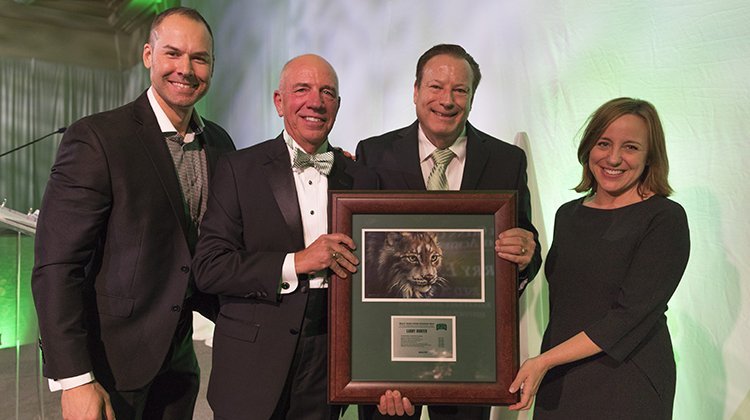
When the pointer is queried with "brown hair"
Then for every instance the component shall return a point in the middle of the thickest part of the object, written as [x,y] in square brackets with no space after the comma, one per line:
[453,50]
[655,174]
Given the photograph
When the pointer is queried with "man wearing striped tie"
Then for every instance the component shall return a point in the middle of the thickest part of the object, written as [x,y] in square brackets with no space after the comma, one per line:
[443,151]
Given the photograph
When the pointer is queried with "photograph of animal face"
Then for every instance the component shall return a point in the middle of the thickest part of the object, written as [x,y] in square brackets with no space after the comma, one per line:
[423,264]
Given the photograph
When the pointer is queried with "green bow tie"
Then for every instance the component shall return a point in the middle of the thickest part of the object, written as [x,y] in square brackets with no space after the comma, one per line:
[323,162]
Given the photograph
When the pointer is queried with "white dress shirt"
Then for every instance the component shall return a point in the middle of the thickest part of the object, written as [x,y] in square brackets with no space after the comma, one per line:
[455,170]
[312,196]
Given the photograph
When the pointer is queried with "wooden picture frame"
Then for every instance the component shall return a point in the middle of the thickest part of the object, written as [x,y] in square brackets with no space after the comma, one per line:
[480,358]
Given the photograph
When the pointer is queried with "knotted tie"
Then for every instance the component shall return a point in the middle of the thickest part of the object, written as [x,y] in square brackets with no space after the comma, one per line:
[437,180]
[323,162]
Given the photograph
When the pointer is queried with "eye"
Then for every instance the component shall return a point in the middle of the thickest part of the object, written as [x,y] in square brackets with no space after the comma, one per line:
[411,259]
[632,147]
[602,144]
[330,93]
[461,91]
[434,87]
[435,258]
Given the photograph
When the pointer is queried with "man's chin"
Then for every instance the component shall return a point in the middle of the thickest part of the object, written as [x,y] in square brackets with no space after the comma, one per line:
[185,102]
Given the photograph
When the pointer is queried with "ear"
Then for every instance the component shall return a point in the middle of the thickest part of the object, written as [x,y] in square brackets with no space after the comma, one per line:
[147,53]
[416,91]
[277,101]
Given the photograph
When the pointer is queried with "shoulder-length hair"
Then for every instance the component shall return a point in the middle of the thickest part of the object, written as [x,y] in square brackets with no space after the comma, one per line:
[656,172]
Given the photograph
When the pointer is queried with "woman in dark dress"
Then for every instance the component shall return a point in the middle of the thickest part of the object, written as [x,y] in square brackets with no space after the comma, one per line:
[617,257]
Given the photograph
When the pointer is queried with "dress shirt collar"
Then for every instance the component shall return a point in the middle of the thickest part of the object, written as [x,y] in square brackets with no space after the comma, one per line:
[292,144]
[195,127]
[426,147]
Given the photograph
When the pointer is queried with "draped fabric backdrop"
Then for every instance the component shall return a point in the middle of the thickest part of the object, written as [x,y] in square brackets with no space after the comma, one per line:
[547,64]
[37,98]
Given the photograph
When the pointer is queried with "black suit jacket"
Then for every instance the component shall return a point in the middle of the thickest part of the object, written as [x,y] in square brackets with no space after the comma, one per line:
[491,164]
[112,262]
[253,220]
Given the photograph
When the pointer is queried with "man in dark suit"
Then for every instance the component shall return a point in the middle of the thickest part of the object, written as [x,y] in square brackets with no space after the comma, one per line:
[442,151]
[117,227]
[265,250]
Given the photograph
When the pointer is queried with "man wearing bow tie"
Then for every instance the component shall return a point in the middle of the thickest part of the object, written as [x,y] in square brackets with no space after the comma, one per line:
[265,250]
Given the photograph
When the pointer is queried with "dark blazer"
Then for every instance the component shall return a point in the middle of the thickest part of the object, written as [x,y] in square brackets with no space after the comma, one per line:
[253,220]
[112,263]
[491,164]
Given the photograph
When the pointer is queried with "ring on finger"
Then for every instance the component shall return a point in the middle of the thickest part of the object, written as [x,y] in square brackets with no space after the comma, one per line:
[335,255]
[523,251]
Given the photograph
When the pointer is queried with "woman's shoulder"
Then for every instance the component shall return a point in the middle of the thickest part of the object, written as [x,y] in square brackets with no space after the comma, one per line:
[571,205]
[661,204]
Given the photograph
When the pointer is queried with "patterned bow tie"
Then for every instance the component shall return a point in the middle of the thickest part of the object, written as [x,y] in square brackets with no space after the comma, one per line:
[323,162]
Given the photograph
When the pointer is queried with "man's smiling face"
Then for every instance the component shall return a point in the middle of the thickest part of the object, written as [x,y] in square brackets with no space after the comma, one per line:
[443,98]
[179,56]
[308,100]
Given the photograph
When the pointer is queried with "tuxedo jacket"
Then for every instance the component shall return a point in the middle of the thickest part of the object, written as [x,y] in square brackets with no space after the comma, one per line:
[491,164]
[112,262]
[252,221]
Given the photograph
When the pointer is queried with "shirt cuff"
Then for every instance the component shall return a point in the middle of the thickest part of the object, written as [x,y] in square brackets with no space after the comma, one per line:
[65,384]
[523,280]
[289,280]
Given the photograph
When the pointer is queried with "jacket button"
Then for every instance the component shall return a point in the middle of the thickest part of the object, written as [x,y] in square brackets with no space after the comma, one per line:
[175,308]
[293,331]
[284,285]
[185,269]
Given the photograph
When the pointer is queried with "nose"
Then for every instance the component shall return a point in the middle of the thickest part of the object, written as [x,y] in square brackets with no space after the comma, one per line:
[446,98]
[614,157]
[315,100]
[185,66]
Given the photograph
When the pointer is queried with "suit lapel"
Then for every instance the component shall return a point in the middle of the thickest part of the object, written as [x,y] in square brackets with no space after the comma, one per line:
[476,158]
[406,157]
[212,154]
[281,181]
[150,138]
[215,142]
[339,179]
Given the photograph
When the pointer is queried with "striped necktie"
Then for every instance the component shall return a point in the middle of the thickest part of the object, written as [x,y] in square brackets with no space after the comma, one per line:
[437,179]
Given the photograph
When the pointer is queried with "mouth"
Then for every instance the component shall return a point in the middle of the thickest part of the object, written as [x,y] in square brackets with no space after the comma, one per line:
[613,172]
[443,115]
[316,120]
[422,282]
[183,85]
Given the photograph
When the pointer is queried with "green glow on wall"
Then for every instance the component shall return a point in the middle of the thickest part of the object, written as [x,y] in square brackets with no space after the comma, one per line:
[142,3]
[17,316]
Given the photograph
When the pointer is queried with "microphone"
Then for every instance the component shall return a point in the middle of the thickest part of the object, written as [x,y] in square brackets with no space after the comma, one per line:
[59,130]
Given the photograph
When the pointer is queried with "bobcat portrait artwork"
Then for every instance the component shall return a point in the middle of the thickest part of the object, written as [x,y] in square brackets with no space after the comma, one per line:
[404,264]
